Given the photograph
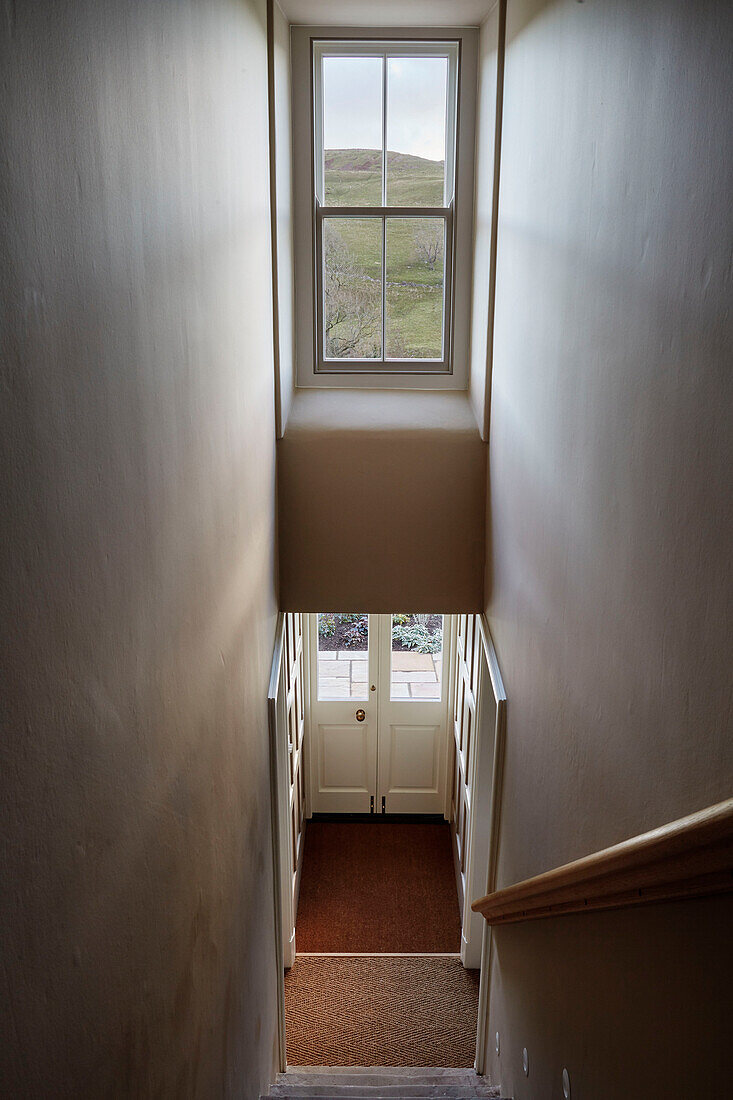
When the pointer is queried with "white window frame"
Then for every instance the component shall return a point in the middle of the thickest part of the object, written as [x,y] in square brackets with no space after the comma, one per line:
[308,46]
[384,51]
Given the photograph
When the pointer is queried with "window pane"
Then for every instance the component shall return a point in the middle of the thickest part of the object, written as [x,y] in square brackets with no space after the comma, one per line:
[352,131]
[416,112]
[417,657]
[352,288]
[343,655]
[414,305]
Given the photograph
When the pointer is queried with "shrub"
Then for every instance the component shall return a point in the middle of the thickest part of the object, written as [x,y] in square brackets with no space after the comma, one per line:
[327,625]
[416,636]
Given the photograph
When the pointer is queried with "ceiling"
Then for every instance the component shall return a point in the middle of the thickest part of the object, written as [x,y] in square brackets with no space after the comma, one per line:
[387,13]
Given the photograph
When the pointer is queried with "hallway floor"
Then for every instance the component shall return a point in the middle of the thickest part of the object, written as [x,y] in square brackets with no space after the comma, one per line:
[377,979]
[378,886]
[381,1011]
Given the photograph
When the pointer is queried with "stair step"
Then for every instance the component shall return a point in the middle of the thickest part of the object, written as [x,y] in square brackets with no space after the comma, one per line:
[383,1092]
[382,1089]
[358,1095]
[375,1075]
[381,1083]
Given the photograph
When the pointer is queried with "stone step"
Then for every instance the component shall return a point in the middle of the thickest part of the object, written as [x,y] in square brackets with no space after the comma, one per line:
[375,1074]
[359,1094]
[382,1089]
[381,1083]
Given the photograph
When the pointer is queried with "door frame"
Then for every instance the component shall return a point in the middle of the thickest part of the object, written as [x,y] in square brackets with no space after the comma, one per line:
[279,790]
[377,668]
[386,703]
[311,657]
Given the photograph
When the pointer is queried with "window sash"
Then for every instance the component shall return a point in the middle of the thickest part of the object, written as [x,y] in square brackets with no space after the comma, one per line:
[384,364]
[385,49]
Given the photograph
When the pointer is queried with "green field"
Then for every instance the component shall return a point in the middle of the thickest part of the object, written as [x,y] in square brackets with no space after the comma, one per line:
[353,177]
[353,258]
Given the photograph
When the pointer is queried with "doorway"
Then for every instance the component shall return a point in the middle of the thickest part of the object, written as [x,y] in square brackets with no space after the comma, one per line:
[378,713]
[321,749]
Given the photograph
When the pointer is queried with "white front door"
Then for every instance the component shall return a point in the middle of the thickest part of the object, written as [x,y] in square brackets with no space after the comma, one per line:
[412,715]
[343,713]
[378,714]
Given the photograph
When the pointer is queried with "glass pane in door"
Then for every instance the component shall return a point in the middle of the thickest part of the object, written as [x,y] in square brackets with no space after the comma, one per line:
[343,655]
[417,657]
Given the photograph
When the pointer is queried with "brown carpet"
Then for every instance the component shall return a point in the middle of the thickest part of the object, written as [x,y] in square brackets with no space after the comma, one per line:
[380,1012]
[377,886]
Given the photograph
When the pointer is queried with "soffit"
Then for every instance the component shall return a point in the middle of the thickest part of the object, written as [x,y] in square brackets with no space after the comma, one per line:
[387,13]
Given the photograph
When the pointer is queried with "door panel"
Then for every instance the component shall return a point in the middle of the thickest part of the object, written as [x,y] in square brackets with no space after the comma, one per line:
[344,752]
[411,759]
[412,736]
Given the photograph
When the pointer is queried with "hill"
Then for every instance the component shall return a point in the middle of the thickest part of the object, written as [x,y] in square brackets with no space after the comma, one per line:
[353,178]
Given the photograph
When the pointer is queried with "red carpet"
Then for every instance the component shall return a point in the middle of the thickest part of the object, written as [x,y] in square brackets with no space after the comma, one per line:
[377,886]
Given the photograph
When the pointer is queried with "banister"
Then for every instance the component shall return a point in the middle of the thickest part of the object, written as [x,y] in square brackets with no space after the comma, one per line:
[690,857]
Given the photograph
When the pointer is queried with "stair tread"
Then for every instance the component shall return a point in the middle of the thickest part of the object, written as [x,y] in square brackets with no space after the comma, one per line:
[381,1083]
[466,1079]
[339,1094]
[383,1088]
[420,1072]
[346,1092]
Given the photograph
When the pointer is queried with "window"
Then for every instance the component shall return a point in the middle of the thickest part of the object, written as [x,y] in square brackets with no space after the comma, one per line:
[384,177]
[395,230]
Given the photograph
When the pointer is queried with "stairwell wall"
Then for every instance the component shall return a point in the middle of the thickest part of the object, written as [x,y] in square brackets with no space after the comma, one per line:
[610,523]
[137,551]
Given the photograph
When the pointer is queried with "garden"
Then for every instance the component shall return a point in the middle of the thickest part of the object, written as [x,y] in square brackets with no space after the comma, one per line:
[350,631]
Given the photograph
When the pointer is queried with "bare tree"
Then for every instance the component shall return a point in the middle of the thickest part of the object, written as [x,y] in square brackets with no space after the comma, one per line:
[429,243]
[352,319]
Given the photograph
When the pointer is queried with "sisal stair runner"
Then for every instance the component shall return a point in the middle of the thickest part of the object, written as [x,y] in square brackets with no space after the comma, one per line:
[379,1083]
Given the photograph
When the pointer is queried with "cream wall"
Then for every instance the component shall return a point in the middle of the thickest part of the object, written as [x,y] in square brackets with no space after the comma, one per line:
[136,558]
[608,586]
[281,123]
[483,213]
[381,503]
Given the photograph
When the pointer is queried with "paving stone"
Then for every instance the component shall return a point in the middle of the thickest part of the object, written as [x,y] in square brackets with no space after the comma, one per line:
[333,688]
[405,661]
[332,668]
[425,691]
[400,691]
[358,670]
[414,677]
[352,655]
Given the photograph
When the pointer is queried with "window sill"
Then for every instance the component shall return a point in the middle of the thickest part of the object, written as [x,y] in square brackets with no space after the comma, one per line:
[319,411]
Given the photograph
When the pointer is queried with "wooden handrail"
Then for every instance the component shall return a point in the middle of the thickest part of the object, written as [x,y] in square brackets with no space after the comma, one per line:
[691,857]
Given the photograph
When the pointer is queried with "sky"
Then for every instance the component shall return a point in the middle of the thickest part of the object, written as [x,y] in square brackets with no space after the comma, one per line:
[352,104]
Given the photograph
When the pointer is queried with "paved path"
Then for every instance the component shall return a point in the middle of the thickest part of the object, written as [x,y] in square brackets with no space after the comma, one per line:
[342,674]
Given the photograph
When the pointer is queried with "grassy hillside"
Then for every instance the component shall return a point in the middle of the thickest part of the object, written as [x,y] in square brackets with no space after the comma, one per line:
[353,177]
[414,263]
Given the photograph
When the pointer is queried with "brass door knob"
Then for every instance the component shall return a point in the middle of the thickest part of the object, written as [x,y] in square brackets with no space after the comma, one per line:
[360,715]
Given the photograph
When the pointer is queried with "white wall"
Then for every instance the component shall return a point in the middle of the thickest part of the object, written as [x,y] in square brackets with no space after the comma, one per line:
[381,503]
[280,100]
[136,557]
[610,518]
[482,298]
